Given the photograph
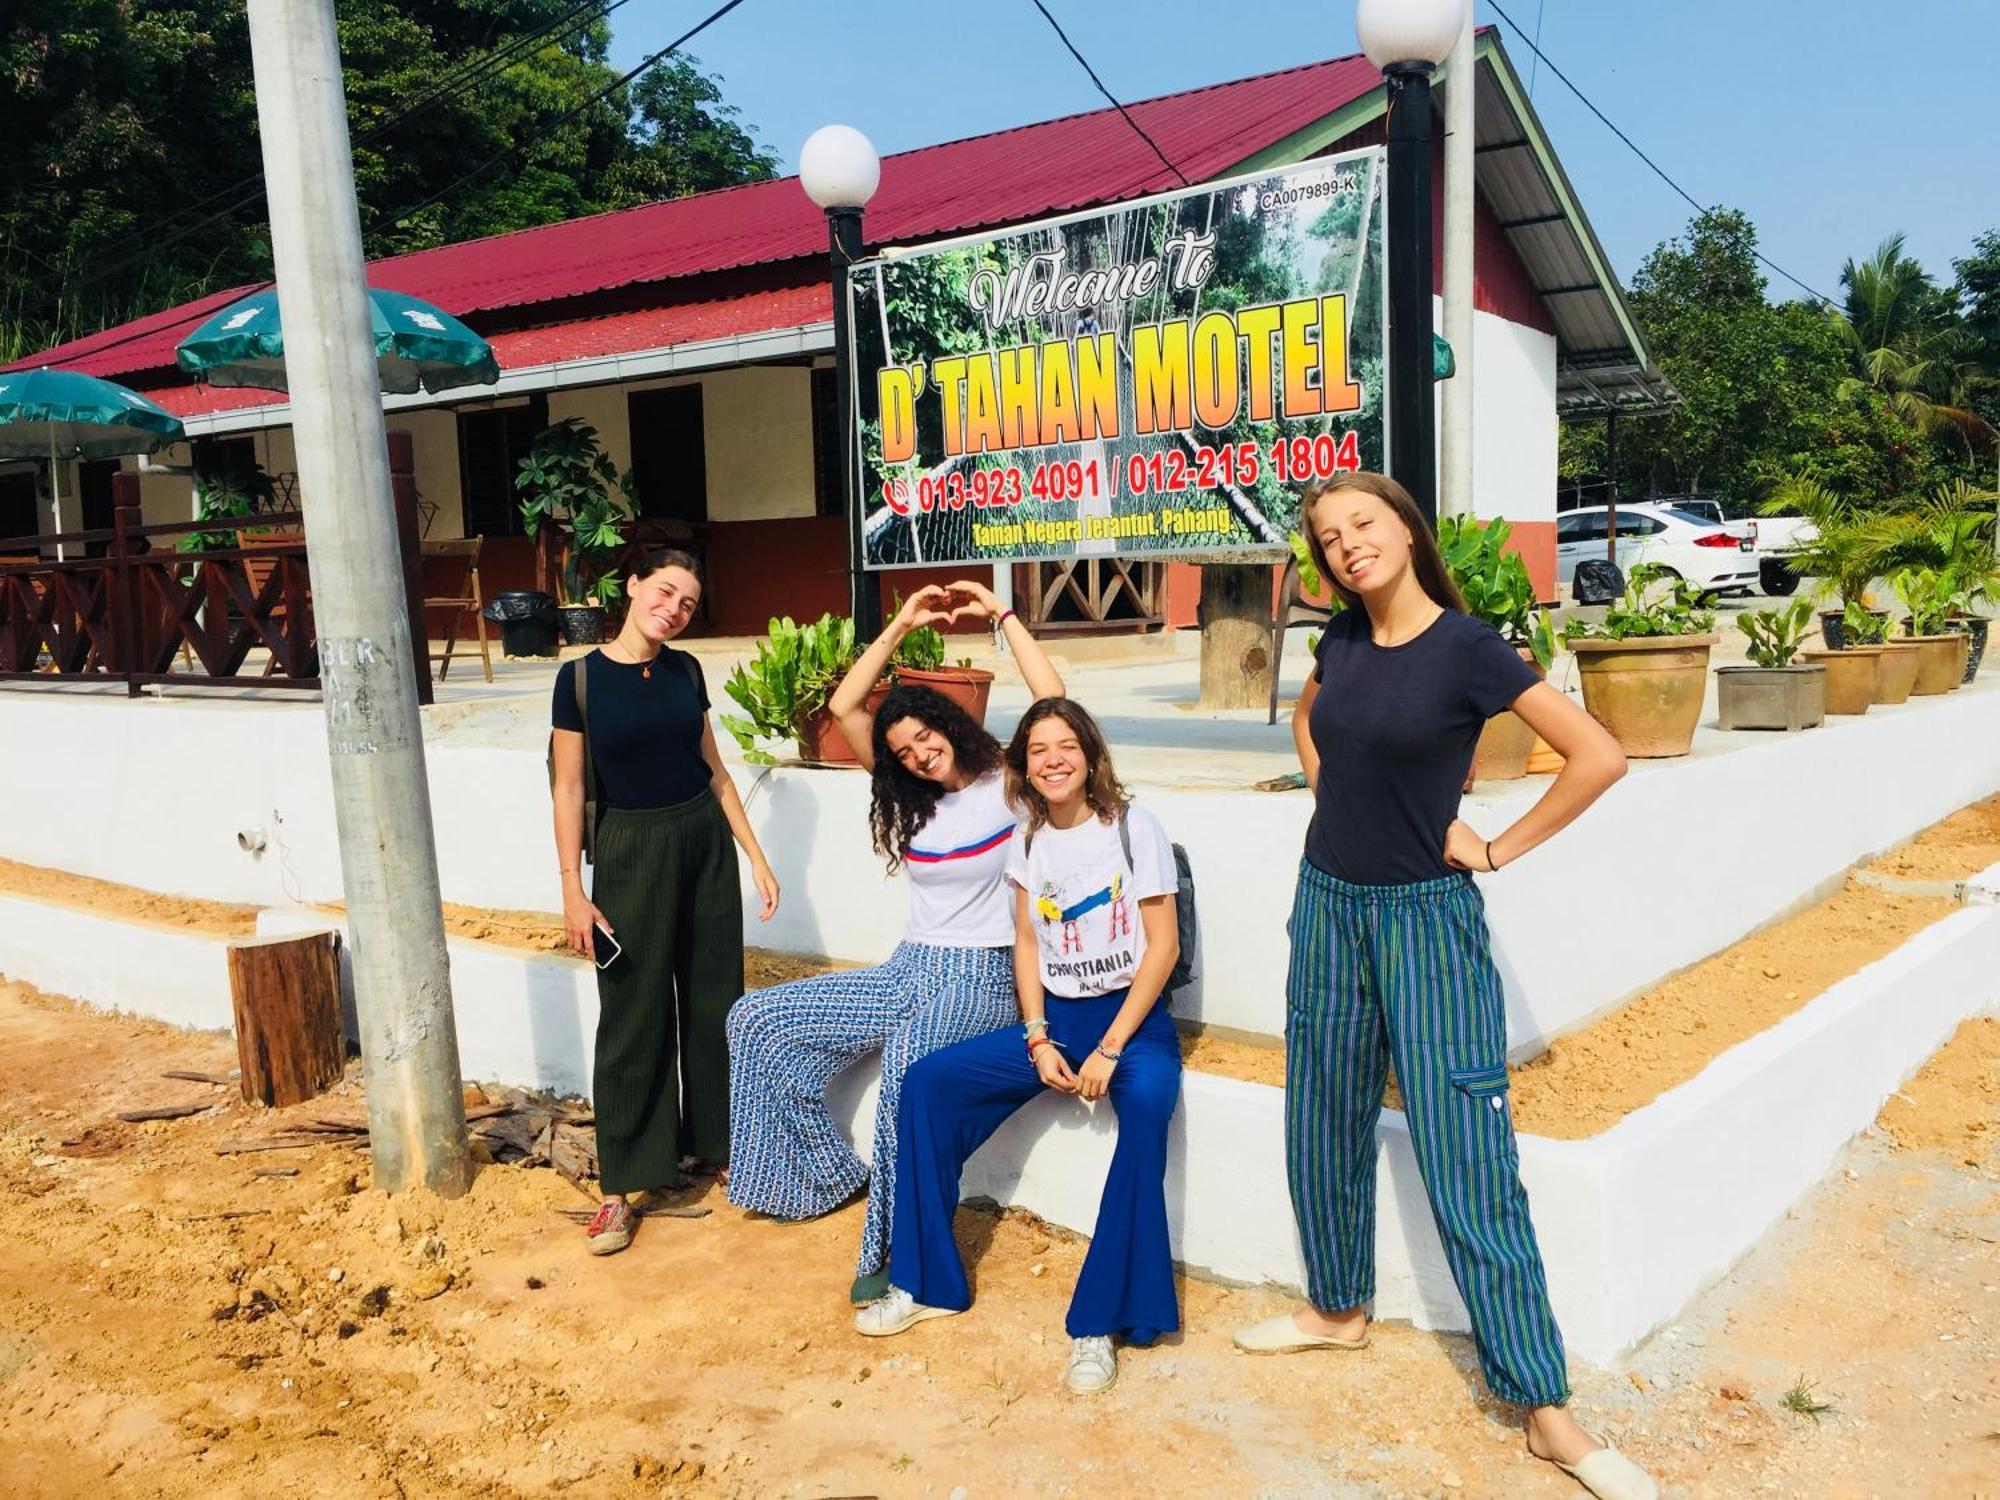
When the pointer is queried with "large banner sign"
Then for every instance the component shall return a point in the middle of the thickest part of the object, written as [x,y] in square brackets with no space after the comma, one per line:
[1159,378]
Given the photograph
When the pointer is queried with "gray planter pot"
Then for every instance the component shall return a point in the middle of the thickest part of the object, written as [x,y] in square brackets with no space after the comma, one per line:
[1771,697]
[1974,626]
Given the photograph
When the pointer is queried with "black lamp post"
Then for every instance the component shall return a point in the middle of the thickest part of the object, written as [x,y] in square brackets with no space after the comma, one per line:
[839,170]
[1407,39]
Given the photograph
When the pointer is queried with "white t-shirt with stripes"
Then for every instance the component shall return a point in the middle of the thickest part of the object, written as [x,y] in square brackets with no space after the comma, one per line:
[959,897]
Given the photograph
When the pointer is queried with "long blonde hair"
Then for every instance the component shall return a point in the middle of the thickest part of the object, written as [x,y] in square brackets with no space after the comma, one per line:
[1432,575]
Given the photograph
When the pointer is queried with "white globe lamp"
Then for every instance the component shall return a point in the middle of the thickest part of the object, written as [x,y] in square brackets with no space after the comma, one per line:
[1408,32]
[838,168]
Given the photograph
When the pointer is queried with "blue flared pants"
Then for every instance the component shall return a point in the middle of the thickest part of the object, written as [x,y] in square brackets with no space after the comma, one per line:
[954,1099]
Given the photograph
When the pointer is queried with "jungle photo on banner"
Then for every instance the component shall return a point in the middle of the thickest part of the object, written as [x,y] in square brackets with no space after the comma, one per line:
[1160,378]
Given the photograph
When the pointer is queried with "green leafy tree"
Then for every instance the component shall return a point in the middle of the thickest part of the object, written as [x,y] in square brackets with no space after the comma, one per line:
[1909,344]
[131,176]
[1755,379]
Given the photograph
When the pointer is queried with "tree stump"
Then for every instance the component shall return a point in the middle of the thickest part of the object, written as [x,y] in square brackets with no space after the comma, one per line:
[1235,635]
[286,995]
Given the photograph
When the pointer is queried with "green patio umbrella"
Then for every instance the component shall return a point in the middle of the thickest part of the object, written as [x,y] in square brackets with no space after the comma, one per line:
[417,347]
[64,414]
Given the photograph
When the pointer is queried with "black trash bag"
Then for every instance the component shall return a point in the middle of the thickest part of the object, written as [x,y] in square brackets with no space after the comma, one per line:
[527,621]
[1597,581]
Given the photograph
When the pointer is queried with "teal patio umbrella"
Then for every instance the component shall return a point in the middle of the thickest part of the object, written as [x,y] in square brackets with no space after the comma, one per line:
[64,414]
[417,347]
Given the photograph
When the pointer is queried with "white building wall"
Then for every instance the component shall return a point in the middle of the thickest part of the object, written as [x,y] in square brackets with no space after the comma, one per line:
[1513,420]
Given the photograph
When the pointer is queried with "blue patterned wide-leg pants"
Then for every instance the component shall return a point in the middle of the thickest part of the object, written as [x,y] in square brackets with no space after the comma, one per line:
[788,1043]
[1405,972]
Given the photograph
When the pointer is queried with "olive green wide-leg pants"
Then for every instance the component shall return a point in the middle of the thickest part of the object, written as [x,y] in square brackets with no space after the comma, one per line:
[666,881]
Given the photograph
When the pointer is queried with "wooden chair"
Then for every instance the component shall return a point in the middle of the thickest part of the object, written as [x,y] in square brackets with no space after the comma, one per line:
[1294,607]
[257,571]
[461,558]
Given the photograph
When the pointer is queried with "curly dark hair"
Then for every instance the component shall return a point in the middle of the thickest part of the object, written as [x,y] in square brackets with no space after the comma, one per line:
[902,801]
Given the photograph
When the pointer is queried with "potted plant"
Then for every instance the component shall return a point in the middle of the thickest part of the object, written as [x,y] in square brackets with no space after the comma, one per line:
[919,661]
[1844,551]
[568,482]
[1950,530]
[1896,672]
[1932,598]
[1773,692]
[784,688]
[1854,668]
[1497,589]
[1645,664]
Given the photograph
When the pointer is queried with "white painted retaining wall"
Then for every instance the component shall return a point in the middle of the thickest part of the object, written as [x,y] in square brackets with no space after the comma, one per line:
[1679,860]
[149,970]
[1633,1223]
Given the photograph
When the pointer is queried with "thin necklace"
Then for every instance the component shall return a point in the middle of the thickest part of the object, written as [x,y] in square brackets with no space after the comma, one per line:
[645,668]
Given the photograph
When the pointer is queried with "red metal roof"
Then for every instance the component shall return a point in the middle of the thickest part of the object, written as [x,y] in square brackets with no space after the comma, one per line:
[1008,177]
[584,338]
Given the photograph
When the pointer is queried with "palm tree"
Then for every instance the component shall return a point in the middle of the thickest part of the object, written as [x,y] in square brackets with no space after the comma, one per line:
[1843,554]
[1950,531]
[1906,346]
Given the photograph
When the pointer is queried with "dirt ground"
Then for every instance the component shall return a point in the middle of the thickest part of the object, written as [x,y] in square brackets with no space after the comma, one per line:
[126,902]
[1963,844]
[334,1341]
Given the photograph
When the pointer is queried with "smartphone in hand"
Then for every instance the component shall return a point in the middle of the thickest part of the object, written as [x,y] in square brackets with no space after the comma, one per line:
[604,947]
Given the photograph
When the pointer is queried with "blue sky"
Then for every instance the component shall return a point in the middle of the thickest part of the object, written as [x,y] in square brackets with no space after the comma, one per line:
[1831,122]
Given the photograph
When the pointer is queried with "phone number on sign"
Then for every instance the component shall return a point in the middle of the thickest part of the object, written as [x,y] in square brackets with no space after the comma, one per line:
[1170,471]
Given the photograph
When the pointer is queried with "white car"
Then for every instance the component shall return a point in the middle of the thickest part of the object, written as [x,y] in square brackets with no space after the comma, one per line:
[1715,559]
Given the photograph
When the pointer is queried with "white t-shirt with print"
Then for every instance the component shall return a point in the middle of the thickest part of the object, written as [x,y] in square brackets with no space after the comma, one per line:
[1085,901]
[957,863]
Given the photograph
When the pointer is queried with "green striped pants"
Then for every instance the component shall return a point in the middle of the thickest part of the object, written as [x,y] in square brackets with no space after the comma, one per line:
[1405,973]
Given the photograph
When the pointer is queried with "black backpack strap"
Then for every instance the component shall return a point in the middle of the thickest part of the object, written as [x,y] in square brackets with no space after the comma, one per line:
[580,678]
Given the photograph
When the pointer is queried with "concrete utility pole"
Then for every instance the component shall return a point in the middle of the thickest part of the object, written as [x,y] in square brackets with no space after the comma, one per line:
[388,851]
[1455,455]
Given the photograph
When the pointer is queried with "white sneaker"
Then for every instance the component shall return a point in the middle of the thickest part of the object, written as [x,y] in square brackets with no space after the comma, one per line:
[1093,1365]
[893,1312]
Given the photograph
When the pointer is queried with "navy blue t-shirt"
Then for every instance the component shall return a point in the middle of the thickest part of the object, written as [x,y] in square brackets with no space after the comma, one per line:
[1395,727]
[645,731]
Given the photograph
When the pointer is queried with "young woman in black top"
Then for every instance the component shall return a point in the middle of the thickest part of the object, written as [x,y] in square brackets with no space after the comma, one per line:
[1391,959]
[664,883]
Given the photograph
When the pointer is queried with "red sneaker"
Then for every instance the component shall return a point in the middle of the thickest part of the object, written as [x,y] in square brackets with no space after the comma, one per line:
[611,1230]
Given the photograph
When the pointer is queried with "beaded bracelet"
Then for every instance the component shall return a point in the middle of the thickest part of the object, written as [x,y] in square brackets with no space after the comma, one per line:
[1107,1054]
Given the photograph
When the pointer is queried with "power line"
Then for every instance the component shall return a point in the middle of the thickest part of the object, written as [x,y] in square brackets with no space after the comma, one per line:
[1137,130]
[248,190]
[617,83]
[1658,170]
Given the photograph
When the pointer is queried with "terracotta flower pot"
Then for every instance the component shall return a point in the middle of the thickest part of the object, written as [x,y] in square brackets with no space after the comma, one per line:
[1647,691]
[968,687]
[820,737]
[1850,677]
[1771,697]
[1505,743]
[1833,627]
[1898,672]
[1940,662]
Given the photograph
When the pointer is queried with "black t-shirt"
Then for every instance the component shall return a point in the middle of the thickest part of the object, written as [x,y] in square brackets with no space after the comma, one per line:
[645,731]
[1395,727]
